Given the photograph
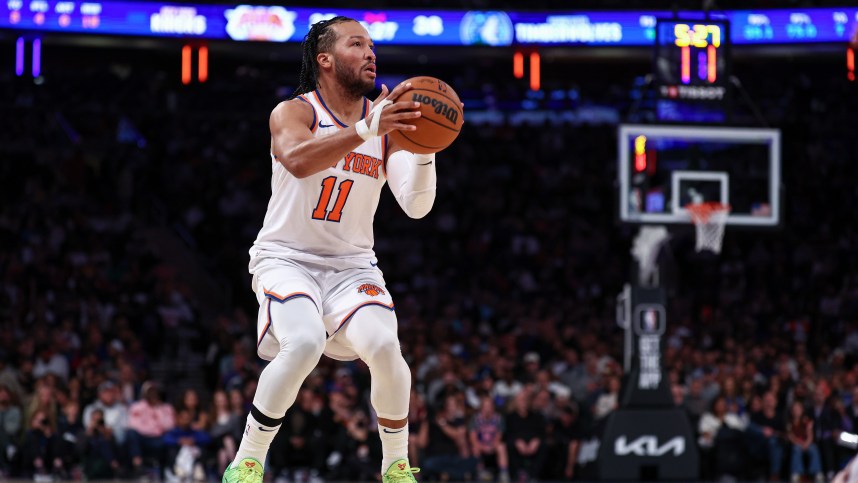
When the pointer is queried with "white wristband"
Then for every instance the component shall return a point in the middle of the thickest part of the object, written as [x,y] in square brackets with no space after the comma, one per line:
[363,130]
[371,131]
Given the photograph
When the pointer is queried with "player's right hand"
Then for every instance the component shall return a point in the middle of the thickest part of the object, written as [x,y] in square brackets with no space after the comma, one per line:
[393,115]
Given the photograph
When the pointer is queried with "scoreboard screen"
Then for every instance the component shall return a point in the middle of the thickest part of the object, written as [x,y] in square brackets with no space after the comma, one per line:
[692,60]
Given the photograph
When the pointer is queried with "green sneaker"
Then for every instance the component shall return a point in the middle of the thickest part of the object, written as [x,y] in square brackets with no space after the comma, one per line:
[248,470]
[400,472]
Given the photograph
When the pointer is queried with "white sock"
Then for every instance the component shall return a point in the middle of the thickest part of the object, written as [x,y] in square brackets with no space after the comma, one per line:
[394,445]
[256,441]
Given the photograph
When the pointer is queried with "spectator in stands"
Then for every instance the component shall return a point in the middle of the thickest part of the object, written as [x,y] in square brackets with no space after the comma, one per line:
[545,380]
[694,401]
[199,415]
[525,434]
[185,448]
[542,402]
[148,421]
[844,424]
[677,394]
[735,402]
[237,402]
[115,411]
[355,446]
[418,423]
[800,432]
[530,367]
[506,386]
[447,452]
[43,400]
[826,425]
[720,441]
[784,382]
[70,430]
[49,362]
[569,370]
[852,410]
[41,453]
[486,434]
[770,423]
[585,381]
[128,382]
[568,433]
[608,401]
[449,383]
[298,445]
[11,421]
[226,429]
[100,451]
[10,375]
[236,367]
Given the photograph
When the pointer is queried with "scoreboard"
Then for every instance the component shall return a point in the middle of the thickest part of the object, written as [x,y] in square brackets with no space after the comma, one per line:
[282,22]
[692,59]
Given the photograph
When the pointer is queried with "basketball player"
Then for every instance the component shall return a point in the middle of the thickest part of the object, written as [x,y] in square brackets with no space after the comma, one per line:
[313,265]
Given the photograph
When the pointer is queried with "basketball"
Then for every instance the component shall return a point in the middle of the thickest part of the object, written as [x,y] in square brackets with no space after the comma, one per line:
[441,117]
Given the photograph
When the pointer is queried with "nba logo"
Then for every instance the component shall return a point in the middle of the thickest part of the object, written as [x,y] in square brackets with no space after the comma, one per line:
[650,319]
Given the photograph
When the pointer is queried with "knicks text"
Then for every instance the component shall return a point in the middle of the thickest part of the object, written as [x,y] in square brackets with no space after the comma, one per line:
[361,164]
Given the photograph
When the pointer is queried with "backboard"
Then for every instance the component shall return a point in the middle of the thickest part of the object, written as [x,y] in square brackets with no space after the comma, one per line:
[661,169]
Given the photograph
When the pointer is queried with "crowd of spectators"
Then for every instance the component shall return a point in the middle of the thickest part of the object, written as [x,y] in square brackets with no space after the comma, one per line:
[505,294]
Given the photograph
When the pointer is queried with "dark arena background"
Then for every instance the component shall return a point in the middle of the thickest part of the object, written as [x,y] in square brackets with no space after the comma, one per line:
[643,253]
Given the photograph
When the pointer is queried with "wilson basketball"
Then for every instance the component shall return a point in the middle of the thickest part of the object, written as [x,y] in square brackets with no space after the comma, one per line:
[440,120]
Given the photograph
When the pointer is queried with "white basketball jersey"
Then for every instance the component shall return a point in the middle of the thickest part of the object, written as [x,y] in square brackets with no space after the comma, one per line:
[326,217]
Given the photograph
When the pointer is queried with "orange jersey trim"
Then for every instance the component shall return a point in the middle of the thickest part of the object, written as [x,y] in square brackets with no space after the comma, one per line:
[267,326]
[315,117]
[354,311]
[279,298]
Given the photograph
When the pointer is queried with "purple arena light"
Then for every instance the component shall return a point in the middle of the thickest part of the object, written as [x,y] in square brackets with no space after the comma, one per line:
[37,57]
[19,57]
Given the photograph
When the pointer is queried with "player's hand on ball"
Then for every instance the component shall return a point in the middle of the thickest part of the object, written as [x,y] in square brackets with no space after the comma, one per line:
[393,115]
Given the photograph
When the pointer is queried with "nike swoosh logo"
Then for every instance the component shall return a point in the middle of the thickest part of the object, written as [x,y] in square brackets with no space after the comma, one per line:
[373,264]
[425,164]
[392,432]
[325,125]
[266,430]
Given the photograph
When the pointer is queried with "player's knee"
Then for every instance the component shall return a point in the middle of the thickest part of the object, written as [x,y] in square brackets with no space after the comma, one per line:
[384,346]
[383,353]
[303,345]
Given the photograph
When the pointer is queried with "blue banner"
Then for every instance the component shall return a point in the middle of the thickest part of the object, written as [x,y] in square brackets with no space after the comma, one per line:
[411,27]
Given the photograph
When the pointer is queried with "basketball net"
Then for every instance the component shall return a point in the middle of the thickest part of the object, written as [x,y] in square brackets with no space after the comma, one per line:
[709,220]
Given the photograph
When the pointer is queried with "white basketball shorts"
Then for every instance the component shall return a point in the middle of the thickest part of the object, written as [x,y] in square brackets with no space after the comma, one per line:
[337,295]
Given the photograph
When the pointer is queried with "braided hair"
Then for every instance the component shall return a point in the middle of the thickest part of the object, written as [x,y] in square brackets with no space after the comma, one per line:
[320,38]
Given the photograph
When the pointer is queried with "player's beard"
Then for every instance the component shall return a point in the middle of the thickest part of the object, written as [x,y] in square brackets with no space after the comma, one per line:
[354,85]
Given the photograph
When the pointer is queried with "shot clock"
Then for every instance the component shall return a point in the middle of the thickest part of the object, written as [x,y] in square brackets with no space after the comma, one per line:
[692,59]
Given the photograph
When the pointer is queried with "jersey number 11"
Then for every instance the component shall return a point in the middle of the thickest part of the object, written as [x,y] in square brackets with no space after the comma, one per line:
[321,211]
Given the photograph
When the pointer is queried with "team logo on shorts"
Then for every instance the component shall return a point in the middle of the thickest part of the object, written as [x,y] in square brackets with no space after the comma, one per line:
[370,289]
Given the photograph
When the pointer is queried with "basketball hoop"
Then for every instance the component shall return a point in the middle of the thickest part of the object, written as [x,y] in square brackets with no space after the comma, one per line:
[709,220]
